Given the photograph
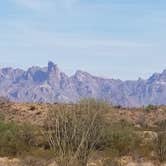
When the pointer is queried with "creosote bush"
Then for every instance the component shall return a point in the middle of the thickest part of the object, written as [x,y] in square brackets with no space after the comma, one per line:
[160,146]
[15,139]
[160,141]
[121,139]
[150,108]
[161,125]
[2,117]
[74,131]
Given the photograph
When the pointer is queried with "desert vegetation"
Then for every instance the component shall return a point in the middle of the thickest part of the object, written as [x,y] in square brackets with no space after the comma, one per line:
[78,134]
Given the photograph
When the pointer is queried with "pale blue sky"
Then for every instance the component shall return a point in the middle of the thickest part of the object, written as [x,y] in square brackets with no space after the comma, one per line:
[111,38]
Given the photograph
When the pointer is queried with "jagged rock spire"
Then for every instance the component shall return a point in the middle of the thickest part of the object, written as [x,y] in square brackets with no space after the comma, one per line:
[52,66]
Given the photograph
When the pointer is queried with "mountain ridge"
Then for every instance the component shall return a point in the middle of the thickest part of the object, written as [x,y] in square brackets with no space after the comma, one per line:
[49,84]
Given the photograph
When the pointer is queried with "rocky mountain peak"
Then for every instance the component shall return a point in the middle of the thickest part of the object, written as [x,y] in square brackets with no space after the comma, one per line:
[158,77]
[82,75]
[54,74]
[154,77]
[49,84]
[52,67]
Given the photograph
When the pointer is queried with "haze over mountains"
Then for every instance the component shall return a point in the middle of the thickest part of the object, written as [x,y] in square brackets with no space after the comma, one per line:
[49,84]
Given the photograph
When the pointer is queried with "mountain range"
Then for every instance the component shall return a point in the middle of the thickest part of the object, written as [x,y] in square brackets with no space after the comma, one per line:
[49,84]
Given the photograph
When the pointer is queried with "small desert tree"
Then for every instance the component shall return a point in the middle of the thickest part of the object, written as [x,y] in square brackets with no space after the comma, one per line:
[160,146]
[74,131]
[160,141]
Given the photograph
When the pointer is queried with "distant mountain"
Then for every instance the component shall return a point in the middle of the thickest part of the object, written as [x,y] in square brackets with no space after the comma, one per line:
[49,84]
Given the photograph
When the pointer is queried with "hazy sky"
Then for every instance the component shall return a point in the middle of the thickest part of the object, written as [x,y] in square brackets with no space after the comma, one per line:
[110,38]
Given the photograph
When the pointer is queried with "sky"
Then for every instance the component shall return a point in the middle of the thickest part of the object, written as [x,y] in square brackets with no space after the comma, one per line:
[122,39]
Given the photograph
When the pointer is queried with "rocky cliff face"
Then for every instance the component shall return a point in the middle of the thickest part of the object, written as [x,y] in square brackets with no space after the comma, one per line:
[49,84]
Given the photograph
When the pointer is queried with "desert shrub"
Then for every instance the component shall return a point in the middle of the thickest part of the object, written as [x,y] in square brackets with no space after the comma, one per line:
[39,152]
[161,126]
[150,108]
[9,143]
[110,162]
[160,146]
[31,161]
[14,139]
[118,107]
[74,131]
[28,133]
[2,116]
[141,120]
[32,108]
[121,138]
[93,105]
[145,149]
[160,141]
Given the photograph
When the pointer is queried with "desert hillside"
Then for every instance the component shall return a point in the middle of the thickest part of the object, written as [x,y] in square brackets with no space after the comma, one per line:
[131,137]
[36,113]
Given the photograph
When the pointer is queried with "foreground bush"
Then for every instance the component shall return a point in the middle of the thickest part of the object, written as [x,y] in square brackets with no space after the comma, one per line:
[160,146]
[160,141]
[74,131]
[15,139]
[121,139]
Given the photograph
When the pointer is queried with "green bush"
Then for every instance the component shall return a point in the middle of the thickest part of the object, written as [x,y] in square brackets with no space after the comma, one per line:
[150,108]
[2,116]
[160,146]
[110,162]
[161,126]
[121,138]
[14,138]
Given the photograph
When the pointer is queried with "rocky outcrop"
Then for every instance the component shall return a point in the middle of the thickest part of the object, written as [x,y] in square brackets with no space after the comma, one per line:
[49,84]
